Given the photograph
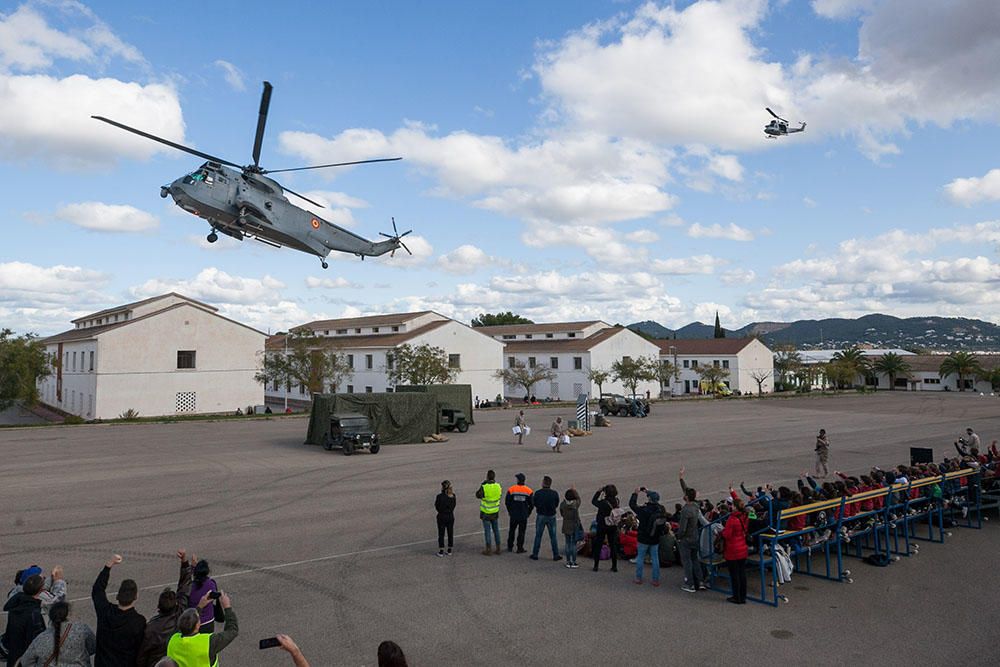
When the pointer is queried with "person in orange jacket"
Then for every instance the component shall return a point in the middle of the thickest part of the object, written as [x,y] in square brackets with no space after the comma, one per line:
[519,503]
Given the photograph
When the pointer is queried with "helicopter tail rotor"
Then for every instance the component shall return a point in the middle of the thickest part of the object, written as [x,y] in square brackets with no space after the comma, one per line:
[397,237]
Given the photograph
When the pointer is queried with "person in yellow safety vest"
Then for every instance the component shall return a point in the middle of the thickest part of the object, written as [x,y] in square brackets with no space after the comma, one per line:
[489,494]
[189,648]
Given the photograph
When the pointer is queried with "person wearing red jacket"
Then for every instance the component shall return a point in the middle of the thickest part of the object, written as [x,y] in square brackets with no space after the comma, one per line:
[735,536]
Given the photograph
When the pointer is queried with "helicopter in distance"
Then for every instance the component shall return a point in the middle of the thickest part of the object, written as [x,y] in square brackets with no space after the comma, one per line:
[779,127]
[243,202]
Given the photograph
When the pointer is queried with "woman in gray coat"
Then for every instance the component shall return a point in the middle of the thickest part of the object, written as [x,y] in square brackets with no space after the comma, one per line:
[570,511]
[64,644]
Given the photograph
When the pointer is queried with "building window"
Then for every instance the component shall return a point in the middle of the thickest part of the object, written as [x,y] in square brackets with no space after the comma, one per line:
[350,389]
[341,331]
[326,332]
[395,329]
[389,360]
[186,359]
[302,389]
[369,361]
[553,362]
[531,362]
[554,391]
[577,388]
[350,361]
[454,361]
[527,335]
[932,380]
[578,364]
[388,390]
[725,363]
[358,330]
[572,334]
[716,363]
[91,360]
[274,386]
[694,363]
[368,390]
[687,364]
[374,329]
[511,362]
[548,335]
[74,361]
[509,336]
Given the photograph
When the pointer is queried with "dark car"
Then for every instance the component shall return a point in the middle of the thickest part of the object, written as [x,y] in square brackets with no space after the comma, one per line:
[350,432]
[450,419]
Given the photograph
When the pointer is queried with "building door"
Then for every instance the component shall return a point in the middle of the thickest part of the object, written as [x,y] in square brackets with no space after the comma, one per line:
[687,386]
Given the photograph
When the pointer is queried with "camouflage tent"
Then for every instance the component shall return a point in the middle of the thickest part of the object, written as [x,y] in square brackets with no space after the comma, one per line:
[454,396]
[398,418]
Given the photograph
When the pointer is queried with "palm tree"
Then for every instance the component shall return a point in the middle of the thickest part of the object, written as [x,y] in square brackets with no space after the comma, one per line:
[852,359]
[960,364]
[892,365]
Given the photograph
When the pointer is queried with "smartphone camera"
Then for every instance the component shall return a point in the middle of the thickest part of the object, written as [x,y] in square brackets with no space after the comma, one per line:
[270,642]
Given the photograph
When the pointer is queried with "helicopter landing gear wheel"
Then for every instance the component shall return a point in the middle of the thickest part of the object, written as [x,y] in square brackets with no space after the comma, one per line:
[212,237]
[242,218]
[323,263]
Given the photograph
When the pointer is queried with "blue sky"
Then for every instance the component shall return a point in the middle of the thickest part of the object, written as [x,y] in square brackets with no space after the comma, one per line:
[565,160]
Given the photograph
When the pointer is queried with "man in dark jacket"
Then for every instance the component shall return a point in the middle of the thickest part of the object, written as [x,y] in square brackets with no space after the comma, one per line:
[652,523]
[119,627]
[519,505]
[546,506]
[169,608]
[688,532]
[24,618]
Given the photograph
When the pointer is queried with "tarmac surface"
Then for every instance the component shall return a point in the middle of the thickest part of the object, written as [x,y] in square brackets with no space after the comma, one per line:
[339,551]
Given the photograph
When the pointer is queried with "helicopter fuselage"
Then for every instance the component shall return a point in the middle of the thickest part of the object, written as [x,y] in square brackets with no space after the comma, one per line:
[247,204]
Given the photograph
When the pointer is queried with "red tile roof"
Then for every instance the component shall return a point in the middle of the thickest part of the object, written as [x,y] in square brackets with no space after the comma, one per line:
[277,341]
[706,346]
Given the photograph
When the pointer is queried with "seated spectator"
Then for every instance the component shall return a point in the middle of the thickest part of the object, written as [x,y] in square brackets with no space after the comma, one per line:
[169,608]
[65,644]
[119,627]
[189,647]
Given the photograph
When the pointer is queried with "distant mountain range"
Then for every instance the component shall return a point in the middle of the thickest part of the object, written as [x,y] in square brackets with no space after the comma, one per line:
[881,331]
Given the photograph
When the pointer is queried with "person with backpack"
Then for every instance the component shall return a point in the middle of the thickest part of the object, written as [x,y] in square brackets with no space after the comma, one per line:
[606,502]
[24,618]
[64,644]
[169,608]
[652,524]
[734,537]
[119,626]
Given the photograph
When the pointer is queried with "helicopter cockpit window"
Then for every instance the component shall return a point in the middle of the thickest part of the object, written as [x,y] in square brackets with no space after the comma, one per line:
[200,176]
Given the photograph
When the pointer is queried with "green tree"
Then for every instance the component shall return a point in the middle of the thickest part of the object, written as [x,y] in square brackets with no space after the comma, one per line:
[498,319]
[961,364]
[666,373]
[713,377]
[891,365]
[598,376]
[23,362]
[306,361]
[520,375]
[992,376]
[840,374]
[630,372]
[423,364]
[854,361]
[787,363]
[719,331]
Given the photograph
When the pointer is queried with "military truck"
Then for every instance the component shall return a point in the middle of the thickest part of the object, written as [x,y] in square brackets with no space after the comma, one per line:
[616,404]
[350,432]
[450,419]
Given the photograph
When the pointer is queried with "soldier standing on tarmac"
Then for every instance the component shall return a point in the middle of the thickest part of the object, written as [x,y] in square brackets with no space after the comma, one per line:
[520,424]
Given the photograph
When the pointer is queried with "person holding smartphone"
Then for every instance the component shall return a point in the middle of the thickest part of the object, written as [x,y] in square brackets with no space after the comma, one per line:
[189,647]
[203,585]
[606,502]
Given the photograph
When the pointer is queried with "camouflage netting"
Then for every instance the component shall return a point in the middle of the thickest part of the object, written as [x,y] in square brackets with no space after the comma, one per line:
[454,396]
[398,418]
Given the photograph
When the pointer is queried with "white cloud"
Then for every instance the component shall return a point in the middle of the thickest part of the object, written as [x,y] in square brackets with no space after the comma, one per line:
[600,243]
[726,166]
[232,74]
[26,285]
[103,217]
[731,232]
[738,276]
[841,9]
[698,264]
[330,283]
[216,287]
[809,201]
[467,259]
[420,247]
[335,207]
[642,236]
[969,191]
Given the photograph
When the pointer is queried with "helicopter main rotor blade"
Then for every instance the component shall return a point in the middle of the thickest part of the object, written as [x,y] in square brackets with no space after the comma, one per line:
[265,103]
[179,147]
[768,109]
[335,164]
[290,191]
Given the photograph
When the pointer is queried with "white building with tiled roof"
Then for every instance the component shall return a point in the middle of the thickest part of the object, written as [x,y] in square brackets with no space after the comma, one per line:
[571,350]
[161,356]
[744,358]
[369,341]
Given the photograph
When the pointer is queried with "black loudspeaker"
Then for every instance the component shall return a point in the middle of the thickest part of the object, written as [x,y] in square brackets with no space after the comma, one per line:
[921,455]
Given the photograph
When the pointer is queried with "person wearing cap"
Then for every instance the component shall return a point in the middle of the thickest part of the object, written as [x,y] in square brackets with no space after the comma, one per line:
[189,647]
[652,525]
[546,506]
[53,586]
[519,504]
[489,494]
[169,607]
[24,617]
[203,584]
[120,627]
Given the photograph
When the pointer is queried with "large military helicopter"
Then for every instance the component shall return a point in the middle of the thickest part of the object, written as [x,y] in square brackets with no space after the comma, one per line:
[247,204]
[779,127]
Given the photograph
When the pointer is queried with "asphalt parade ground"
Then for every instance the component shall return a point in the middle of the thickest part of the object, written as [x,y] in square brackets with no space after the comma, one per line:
[339,552]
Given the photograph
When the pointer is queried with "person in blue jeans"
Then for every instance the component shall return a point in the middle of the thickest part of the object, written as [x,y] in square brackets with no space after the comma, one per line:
[570,510]
[652,524]
[546,501]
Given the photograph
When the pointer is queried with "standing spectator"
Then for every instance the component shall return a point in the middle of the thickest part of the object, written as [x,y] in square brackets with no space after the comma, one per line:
[558,431]
[570,511]
[652,522]
[64,644]
[390,655]
[687,539]
[520,423]
[546,506]
[735,551]
[189,647]
[822,454]
[606,502]
[169,608]
[489,510]
[119,627]
[204,584]
[293,650]
[519,505]
[24,618]
[53,587]
[445,506]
